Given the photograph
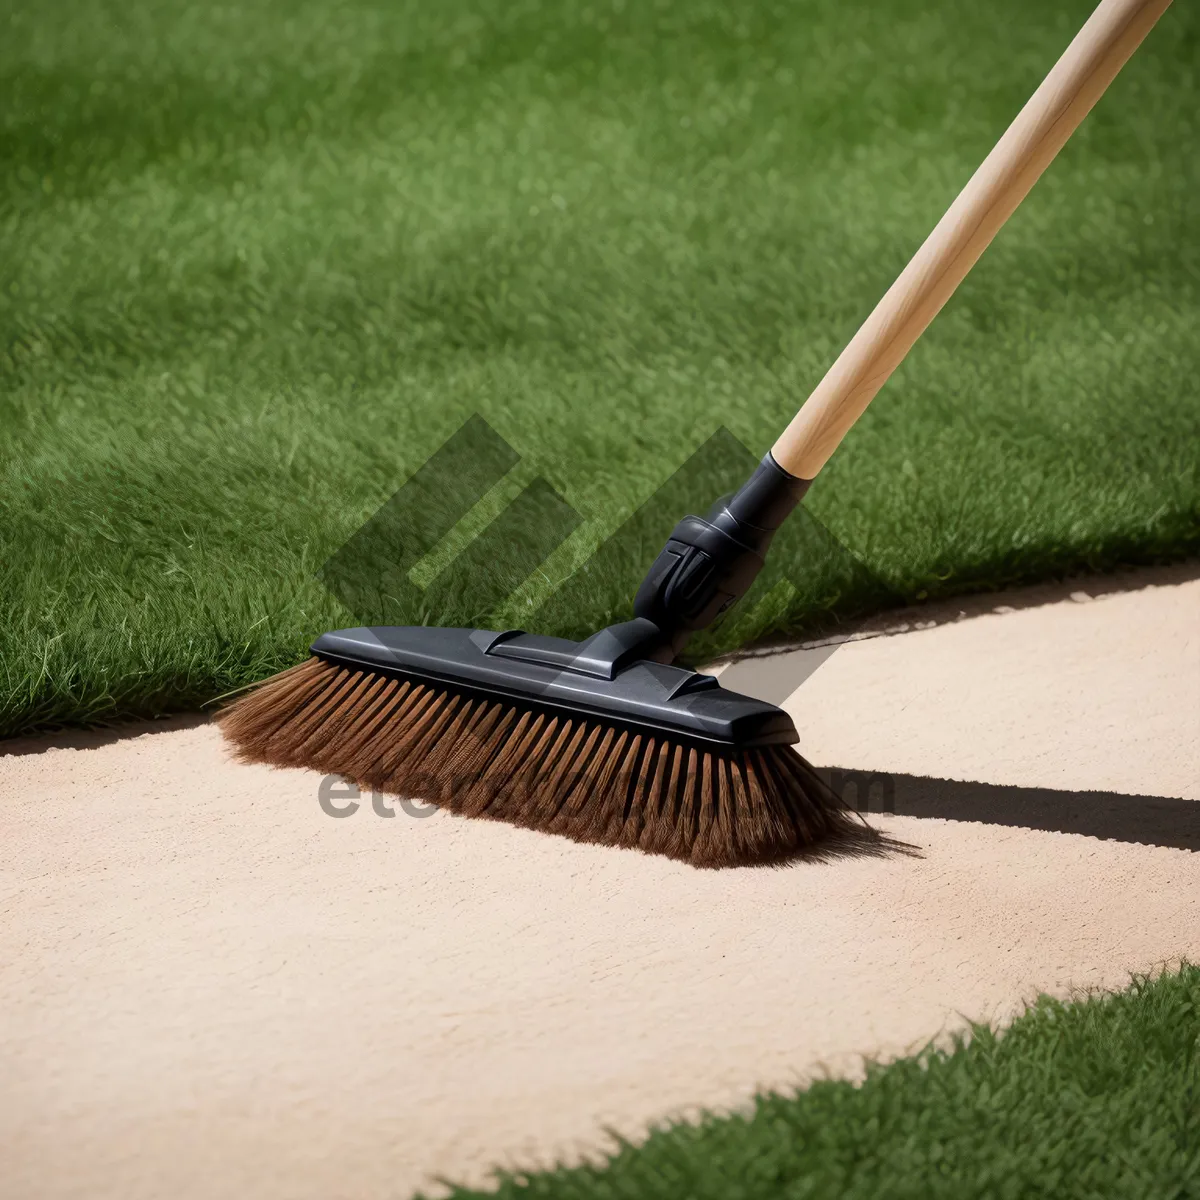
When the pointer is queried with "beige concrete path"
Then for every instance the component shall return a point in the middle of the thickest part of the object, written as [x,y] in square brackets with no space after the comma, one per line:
[210,988]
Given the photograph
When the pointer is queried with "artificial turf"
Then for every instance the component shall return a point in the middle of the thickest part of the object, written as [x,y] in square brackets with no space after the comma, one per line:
[260,261]
[1095,1098]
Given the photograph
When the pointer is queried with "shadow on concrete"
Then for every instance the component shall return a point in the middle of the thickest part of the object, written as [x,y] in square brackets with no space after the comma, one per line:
[1149,820]
[92,739]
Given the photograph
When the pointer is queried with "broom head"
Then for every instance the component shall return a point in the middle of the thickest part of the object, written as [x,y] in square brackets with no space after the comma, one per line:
[584,739]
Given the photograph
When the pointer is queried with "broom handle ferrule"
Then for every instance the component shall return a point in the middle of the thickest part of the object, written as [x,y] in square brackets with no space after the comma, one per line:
[1039,131]
[709,563]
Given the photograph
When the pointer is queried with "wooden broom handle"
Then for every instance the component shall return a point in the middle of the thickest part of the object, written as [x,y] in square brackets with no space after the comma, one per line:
[1077,81]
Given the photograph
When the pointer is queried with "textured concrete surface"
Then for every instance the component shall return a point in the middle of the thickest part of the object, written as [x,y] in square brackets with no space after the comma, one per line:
[212,988]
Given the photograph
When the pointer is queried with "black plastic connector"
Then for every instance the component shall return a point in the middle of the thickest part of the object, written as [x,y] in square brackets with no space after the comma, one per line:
[710,562]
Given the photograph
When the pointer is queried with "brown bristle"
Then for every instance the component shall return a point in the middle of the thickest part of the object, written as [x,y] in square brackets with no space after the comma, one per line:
[575,776]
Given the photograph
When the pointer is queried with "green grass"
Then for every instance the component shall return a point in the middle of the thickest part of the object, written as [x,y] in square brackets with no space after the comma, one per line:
[261,259]
[1096,1098]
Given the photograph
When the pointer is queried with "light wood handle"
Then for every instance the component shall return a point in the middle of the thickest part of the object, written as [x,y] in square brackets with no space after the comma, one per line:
[1077,81]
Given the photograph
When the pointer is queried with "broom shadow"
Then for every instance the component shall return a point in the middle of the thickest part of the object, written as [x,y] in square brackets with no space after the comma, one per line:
[1166,821]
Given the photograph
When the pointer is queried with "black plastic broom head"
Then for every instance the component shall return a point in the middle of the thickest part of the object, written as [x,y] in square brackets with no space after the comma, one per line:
[602,740]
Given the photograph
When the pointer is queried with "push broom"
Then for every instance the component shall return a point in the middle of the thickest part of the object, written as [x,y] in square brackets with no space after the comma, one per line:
[605,740]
